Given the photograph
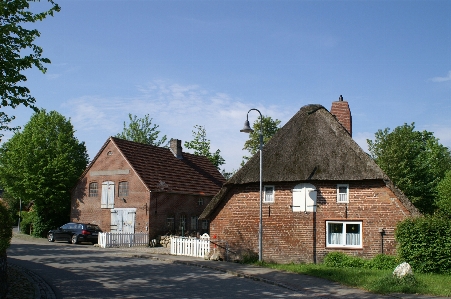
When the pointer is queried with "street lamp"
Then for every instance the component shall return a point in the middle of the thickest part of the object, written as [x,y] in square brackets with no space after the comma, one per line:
[248,129]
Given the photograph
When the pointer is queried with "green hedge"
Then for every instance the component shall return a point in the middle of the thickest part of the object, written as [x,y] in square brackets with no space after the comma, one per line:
[6,230]
[425,243]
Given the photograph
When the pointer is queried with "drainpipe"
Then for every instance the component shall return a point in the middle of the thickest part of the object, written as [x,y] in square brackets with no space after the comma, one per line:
[382,232]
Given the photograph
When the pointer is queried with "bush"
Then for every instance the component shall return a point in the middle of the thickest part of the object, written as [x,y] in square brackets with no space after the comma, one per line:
[383,262]
[6,230]
[26,222]
[425,243]
[379,262]
[341,260]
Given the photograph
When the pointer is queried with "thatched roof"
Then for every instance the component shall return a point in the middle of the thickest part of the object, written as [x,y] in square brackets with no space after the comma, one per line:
[312,145]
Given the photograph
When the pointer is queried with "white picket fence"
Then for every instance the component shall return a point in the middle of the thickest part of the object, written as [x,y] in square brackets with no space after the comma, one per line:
[123,239]
[190,246]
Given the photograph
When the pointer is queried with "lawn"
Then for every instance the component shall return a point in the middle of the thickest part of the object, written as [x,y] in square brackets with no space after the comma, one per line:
[376,281]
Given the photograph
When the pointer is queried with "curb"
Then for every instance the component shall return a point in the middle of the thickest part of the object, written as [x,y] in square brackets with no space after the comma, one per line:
[42,289]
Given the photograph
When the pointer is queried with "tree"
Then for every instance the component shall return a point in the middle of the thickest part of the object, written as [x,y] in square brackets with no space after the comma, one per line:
[40,165]
[5,240]
[16,40]
[444,195]
[252,145]
[415,161]
[141,130]
[201,146]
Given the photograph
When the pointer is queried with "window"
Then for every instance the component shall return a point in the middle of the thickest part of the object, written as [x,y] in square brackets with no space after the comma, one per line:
[170,223]
[200,201]
[123,189]
[344,234]
[107,200]
[194,220]
[182,221]
[93,189]
[268,194]
[304,198]
[205,224]
[343,193]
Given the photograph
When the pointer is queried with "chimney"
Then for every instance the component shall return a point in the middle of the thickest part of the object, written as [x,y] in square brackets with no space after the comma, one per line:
[176,147]
[340,109]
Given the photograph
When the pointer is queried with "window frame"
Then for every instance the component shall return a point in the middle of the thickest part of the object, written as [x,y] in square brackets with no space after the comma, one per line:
[344,234]
[122,189]
[183,222]
[91,192]
[338,193]
[194,223]
[205,223]
[273,197]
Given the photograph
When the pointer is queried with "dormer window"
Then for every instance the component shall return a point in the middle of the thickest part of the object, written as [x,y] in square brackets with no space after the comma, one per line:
[342,193]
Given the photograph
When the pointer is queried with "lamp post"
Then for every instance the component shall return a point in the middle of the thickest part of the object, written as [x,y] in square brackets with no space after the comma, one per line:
[248,129]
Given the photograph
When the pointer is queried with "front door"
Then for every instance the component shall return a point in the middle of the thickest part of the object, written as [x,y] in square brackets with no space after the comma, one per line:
[123,220]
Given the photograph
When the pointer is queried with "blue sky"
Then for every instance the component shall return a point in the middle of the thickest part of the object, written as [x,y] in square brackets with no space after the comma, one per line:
[188,63]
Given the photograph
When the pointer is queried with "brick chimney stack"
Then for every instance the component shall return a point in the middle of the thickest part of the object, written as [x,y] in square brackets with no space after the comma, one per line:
[340,109]
[176,147]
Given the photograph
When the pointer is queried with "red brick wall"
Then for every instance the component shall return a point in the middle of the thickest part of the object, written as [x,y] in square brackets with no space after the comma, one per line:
[301,237]
[152,208]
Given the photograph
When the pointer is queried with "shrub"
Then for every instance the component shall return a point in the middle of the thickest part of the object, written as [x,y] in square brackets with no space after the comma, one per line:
[341,260]
[425,243]
[383,262]
[6,231]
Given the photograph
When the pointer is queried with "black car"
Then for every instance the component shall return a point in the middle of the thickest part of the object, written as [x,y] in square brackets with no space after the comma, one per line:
[75,233]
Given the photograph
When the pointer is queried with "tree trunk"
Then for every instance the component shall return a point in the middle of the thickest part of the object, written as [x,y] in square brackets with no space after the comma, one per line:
[3,275]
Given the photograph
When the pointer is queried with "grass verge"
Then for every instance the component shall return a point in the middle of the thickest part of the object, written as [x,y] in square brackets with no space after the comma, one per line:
[375,281]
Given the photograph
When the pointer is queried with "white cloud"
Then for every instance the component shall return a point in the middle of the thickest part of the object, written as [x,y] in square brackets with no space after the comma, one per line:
[176,109]
[442,79]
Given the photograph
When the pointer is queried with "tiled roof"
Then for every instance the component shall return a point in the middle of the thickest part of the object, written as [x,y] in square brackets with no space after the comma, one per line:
[160,170]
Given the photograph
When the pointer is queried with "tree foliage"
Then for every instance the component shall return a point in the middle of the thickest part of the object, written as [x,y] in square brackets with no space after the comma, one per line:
[201,146]
[15,41]
[444,195]
[415,161]
[142,130]
[425,243]
[5,228]
[40,165]
[270,127]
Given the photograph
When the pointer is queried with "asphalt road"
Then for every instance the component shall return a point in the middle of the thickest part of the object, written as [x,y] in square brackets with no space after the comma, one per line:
[82,271]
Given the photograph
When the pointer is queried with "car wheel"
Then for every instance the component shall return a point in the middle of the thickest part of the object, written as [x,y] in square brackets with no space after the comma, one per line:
[50,237]
[74,239]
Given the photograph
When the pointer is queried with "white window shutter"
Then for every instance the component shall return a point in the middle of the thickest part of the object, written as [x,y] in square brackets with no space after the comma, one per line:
[311,199]
[104,200]
[107,199]
[111,195]
[304,198]
[298,201]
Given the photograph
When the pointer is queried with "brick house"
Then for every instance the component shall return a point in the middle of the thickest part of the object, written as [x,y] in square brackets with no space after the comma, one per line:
[134,187]
[321,193]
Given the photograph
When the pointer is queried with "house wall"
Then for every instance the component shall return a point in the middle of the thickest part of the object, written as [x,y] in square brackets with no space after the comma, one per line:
[152,208]
[166,205]
[88,209]
[301,237]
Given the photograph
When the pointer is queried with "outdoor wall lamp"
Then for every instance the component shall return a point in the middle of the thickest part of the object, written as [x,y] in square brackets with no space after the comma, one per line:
[247,129]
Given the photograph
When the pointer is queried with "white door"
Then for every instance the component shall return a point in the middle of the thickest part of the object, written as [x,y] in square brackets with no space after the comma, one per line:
[123,220]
